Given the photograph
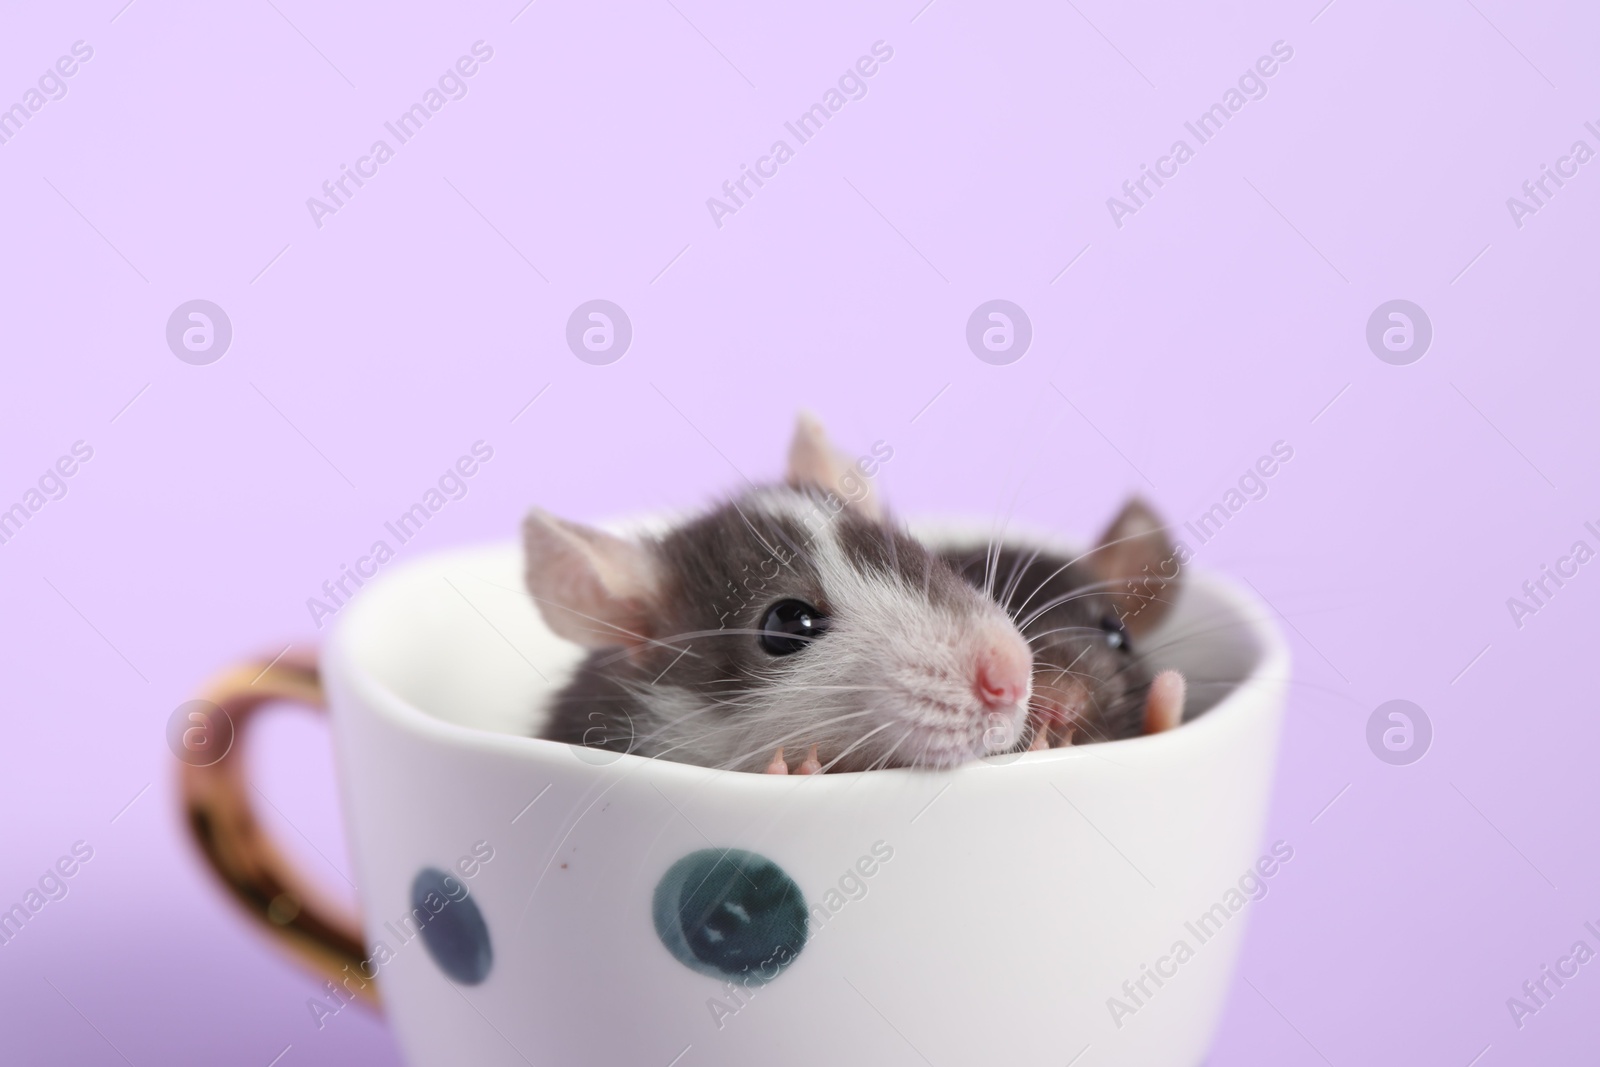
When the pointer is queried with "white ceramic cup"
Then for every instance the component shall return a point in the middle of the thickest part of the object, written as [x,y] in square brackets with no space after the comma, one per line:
[999,912]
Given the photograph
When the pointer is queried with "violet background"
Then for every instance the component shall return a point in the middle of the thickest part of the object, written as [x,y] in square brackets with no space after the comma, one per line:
[1229,313]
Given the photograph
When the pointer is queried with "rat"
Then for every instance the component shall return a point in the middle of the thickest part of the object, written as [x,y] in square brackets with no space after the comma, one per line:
[1085,618]
[800,617]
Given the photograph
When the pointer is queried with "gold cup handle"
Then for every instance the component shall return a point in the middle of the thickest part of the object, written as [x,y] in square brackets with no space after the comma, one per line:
[222,820]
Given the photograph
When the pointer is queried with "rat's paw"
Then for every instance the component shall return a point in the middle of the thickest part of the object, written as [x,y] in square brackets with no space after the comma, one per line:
[809,765]
[1163,708]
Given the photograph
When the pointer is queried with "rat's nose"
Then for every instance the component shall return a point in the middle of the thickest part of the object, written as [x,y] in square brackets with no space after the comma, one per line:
[1003,669]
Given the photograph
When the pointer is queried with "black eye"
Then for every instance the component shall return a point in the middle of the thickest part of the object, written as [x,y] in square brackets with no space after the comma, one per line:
[1116,633]
[790,625]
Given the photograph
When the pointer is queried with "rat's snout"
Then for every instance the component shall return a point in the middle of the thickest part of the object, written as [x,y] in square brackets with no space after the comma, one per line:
[1002,669]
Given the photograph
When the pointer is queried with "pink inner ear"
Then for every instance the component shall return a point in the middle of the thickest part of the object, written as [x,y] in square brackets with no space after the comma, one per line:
[815,463]
[811,459]
[1163,708]
[591,587]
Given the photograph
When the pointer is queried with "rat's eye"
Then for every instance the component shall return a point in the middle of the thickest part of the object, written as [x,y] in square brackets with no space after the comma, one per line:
[1116,633]
[790,625]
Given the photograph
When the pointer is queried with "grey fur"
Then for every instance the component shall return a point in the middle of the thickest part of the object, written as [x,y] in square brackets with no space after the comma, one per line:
[703,691]
[1062,607]
[890,683]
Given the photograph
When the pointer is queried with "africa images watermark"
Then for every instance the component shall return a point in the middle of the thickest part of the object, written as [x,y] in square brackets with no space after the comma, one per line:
[853,489]
[1251,486]
[1252,885]
[1252,85]
[1531,200]
[852,85]
[1562,571]
[852,886]
[1537,993]
[52,887]
[52,485]
[414,923]
[52,85]
[452,85]
[452,485]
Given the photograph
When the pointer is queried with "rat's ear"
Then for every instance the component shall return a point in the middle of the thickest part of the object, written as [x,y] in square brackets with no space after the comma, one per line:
[1139,566]
[592,587]
[814,464]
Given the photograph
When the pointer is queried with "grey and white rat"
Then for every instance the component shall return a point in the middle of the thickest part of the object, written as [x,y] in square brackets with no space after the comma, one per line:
[800,618]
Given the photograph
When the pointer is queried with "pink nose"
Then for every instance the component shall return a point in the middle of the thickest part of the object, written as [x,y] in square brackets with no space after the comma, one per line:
[1001,676]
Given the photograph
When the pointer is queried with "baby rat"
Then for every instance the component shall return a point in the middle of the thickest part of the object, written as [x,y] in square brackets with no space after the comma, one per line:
[1083,617]
[799,617]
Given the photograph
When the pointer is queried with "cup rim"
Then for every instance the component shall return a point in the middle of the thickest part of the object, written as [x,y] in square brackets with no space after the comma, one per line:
[1257,688]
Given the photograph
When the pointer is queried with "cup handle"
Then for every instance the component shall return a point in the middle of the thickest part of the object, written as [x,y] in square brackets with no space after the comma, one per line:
[222,820]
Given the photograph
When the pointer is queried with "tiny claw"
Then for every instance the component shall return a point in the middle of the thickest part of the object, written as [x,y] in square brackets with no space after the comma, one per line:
[777,766]
[811,765]
[1041,740]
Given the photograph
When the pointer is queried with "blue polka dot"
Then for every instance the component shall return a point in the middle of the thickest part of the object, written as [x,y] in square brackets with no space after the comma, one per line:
[730,914]
[454,930]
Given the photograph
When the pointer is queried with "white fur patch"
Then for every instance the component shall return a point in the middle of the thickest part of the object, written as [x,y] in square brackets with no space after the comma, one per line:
[892,679]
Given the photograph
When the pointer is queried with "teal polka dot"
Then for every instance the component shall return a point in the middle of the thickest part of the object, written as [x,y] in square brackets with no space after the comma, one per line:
[730,914]
[452,926]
